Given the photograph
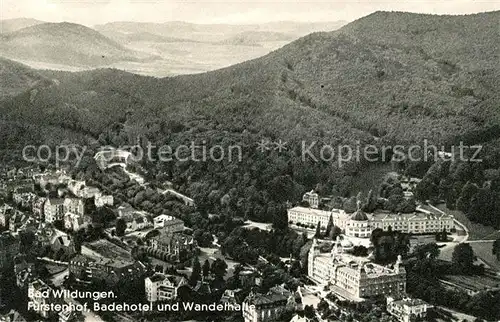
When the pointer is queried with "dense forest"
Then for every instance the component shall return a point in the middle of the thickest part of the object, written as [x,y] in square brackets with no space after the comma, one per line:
[395,83]
[473,188]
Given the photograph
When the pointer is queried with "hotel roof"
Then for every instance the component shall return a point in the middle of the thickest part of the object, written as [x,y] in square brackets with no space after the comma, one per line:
[312,211]
[409,216]
[410,302]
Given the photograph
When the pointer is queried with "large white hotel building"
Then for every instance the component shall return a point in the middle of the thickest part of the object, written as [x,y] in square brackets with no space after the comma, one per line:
[354,278]
[360,224]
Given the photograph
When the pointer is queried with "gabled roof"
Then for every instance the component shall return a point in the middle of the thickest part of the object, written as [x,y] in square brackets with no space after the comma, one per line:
[157,277]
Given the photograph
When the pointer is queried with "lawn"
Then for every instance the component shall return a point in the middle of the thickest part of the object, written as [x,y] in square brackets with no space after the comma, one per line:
[483,251]
[476,231]
[475,282]
[55,269]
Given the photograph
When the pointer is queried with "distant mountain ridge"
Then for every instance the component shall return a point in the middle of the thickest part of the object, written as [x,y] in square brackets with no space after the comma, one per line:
[10,25]
[388,77]
[215,32]
[255,38]
[64,43]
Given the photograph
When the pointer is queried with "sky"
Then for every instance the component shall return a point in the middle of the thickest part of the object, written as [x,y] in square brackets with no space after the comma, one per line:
[92,12]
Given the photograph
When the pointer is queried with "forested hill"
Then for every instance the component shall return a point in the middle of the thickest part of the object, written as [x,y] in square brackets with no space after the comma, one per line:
[64,43]
[386,78]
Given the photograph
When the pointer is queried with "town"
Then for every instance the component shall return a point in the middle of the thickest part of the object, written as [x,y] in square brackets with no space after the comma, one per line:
[71,245]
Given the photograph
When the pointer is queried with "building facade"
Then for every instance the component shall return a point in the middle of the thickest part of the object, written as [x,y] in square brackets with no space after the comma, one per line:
[312,198]
[360,224]
[413,223]
[74,205]
[106,270]
[174,246]
[352,277]
[104,200]
[162,287]
[310,217]
[168,224]
[35,290]
[6,212]
[406,309]
[264,307]
[53,209]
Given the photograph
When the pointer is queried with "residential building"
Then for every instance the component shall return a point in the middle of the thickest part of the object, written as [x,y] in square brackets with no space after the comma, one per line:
[354,278]
[74,222]
[37,206]
[174,244]
[89,192]
[35,296]
[45,234]
[161,287]
[6,212]
[25,273]
[232,296]
[63,244]
[75,186]
[12,316]
[23,198]
[51,178]
[53,209]
[168,224]
[28,172]
[264,307]
[75,206]
[80,189]
[104,200]
[405,309]
[69,315]
[108,271]
[136,220]
[248,277]
[298,318]
[17,220]
[312,198]
[125,210]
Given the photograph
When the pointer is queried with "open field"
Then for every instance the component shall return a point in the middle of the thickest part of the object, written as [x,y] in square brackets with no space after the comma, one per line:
[476,283]
[483,251]
[476,231]
[105,248]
